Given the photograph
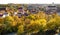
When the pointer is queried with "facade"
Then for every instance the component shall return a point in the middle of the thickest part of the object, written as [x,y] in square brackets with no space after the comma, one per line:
[21,10]
[2,10]
[1,15]
[33,9]
[19,15]
[14,13]
[5,14]
[51,9]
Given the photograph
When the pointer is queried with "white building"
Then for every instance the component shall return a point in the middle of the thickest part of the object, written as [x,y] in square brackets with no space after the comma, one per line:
[5,14]
[51,9]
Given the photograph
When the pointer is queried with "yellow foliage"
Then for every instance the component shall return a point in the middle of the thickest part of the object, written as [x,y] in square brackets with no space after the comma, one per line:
[1,20]
[14,23]
[40,22]
[43,22]
[36,25]
[20,29]
[9,18]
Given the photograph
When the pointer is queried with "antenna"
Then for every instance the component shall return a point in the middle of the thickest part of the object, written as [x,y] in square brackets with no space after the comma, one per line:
[53,3]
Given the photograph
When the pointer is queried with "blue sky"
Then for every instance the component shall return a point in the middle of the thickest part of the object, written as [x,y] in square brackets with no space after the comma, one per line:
[30,1]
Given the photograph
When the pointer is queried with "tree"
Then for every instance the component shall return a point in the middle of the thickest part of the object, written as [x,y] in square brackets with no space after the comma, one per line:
[36,25]
[10,24]
[20,30]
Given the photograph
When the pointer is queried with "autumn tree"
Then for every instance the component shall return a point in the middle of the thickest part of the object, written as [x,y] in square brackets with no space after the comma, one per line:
[10,23]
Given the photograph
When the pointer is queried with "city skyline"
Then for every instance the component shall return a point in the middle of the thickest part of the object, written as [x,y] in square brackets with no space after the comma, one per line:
[29,1]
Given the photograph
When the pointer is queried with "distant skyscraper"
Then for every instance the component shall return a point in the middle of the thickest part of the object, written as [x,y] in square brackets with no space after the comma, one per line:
[51,8]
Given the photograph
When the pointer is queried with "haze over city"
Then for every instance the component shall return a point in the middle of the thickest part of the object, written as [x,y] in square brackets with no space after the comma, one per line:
[30,1]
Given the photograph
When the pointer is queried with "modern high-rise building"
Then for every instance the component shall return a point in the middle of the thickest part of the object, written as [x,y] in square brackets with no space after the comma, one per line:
[51,9]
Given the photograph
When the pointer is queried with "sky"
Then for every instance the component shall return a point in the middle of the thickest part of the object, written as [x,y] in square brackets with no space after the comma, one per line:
[30,1]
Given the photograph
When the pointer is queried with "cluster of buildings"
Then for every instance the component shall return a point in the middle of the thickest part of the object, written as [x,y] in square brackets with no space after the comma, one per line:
[5,11]
[49,9]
